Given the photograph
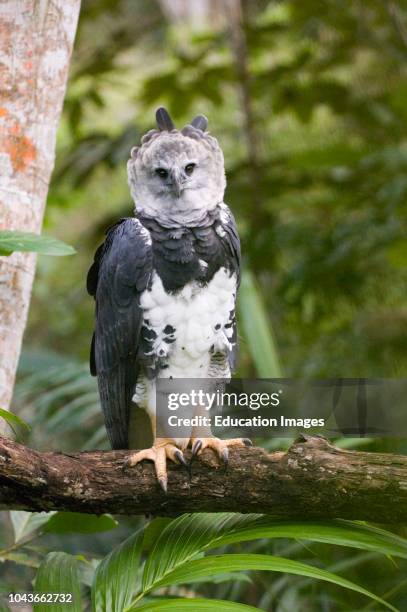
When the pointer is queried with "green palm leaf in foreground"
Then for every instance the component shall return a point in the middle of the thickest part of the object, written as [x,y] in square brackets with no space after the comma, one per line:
[191,534]
[210,566]
[175,552]
[115,578]
[195,605]
[58,573]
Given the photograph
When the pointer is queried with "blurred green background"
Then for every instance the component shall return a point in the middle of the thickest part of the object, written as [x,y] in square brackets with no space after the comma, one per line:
[312,121]
[309,103]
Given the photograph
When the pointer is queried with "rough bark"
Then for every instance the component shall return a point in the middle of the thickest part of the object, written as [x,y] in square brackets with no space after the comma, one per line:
[312,480]
[36,38]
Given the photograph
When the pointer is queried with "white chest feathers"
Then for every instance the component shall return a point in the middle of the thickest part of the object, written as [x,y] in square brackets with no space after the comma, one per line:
[189,326]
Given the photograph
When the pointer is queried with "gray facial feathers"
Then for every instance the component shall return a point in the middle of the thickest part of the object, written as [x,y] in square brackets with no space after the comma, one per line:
[176,175]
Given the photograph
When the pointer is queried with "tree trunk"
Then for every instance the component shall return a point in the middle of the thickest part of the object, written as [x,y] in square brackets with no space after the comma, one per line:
[36,39]
[312,480]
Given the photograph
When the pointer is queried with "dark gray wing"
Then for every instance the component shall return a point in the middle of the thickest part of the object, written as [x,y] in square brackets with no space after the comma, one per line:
[231,238]
[231,241]
[120,273]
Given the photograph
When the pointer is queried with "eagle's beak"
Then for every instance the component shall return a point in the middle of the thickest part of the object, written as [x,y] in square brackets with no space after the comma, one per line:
[177,183]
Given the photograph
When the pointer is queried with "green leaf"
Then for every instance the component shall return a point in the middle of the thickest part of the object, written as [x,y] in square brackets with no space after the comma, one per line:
[115,580]
[153,530]
[340,532]
[65,522]
[25,523]
[21,558]
[195,605]
[257,329]
[210,566]
[226,577]
[3,606]
[19,426]
[190,534]
[187,536]
[58,573]
[11,241]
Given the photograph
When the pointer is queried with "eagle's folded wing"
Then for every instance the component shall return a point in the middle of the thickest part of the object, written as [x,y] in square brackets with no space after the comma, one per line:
[230,238]
[120,273]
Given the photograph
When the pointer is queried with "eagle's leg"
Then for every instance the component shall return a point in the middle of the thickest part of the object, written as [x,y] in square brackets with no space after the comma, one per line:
[162,449]
[220,447]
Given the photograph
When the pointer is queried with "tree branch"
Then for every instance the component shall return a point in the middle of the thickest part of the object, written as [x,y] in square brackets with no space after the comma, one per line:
[312,480]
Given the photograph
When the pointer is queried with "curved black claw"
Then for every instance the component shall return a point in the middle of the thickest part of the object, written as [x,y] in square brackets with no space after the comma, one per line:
[163,484]
[179,455]
[247,442]
[196,448]
[225,456]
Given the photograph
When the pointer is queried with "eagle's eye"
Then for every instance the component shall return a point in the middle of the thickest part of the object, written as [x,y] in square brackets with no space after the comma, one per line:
[189,168]
[162,172]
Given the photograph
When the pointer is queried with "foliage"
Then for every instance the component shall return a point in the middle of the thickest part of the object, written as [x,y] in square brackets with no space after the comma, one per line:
[16,423]
[115,581]
[58,573]
[321,206]
[143,570]
[11,241]
[60,400]
[257,329]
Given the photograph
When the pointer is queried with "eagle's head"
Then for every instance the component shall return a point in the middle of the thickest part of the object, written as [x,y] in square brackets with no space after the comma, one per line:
[177,176]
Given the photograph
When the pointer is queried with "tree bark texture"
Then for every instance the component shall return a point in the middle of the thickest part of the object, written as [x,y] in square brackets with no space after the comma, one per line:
[312,480]
[36,39]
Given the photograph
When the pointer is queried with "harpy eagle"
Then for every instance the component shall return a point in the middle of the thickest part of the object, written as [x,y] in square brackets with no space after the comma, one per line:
[165,284]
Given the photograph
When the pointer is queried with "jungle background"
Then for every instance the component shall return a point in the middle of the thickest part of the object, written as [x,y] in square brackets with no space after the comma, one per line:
[309,103]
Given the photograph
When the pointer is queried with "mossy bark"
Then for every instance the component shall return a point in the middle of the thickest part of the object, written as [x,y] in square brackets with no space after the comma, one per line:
[312,480]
